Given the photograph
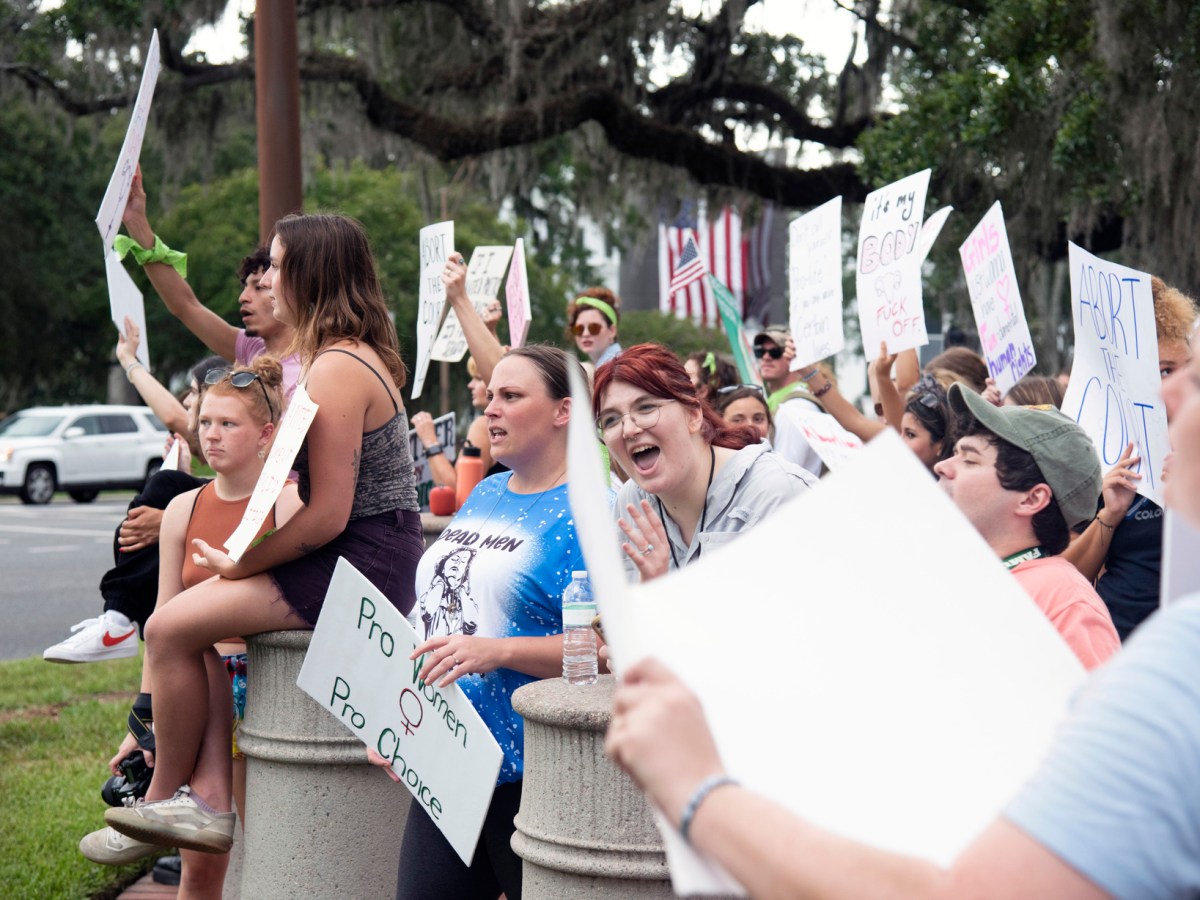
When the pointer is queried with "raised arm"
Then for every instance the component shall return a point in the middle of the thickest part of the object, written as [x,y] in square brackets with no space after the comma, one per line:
[890,397]
[846,413]
[440,468]
[1088,551]
[481,339]
[169,410]
[216,334]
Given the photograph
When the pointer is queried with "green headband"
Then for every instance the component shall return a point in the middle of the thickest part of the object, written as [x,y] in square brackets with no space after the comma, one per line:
[609,312]
[159,253]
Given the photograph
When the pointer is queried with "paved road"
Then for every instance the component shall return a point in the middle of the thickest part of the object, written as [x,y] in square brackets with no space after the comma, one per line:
[51,560]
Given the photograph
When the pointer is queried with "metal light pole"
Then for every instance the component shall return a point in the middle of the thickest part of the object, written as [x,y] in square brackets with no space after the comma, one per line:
[277,103]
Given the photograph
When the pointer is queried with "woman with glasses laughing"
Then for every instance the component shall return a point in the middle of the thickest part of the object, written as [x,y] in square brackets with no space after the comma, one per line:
[695,482]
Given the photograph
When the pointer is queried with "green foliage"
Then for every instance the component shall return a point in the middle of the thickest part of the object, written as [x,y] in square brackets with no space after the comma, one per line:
[58,727]
[682,335]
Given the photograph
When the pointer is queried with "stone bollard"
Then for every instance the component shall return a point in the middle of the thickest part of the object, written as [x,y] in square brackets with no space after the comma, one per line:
[584,829]
[320,820]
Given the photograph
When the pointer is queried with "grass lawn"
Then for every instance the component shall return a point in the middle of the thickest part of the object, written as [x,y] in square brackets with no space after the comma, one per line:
[59,726]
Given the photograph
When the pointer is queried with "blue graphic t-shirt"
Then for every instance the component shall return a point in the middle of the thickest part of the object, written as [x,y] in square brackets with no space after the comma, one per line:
[499,570]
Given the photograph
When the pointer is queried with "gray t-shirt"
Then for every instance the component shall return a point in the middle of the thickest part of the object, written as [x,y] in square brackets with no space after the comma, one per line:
[1118,796]
[743,492]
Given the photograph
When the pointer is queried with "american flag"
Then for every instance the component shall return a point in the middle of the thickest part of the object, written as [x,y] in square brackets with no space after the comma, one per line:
[728,257]
[689,267]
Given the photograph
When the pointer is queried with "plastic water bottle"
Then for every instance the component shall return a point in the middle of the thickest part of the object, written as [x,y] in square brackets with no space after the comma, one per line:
[579,640]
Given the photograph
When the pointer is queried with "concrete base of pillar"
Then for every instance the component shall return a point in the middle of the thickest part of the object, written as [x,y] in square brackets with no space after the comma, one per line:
[584,829]
[321,821]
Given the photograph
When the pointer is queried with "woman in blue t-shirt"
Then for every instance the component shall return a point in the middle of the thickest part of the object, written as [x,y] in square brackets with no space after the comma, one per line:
[489,598]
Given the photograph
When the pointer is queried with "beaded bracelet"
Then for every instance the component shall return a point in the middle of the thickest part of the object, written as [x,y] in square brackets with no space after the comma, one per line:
[129,370]
[707,786]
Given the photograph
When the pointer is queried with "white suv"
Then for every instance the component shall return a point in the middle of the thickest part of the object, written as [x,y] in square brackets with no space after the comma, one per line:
[79,449]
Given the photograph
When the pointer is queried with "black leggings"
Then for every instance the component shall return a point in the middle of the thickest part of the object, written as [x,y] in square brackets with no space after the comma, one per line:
[429,867]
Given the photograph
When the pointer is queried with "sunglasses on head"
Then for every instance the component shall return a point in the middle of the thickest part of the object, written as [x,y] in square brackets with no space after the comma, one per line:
[773,352]
[737,387]
[592,328]
[239,380]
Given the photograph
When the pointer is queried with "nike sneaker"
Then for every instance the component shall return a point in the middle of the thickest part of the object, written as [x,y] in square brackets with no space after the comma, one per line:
[111,636]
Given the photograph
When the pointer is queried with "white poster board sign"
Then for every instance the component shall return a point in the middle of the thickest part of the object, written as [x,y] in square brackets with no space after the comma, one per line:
[1180,561]
[901,717]
[358,668]
[116,195]
[436,242]
[485,274]
[444,426]
[290,435]
[996,301]
[834,444]
[888,271]
[1115,393]
[930,230]
[516,295]
[124,299]
[815,284]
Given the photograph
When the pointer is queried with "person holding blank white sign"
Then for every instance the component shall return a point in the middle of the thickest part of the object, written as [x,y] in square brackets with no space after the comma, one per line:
[1112,810]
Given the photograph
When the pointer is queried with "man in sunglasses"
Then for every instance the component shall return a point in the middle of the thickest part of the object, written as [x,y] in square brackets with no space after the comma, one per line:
[1024,477]
[787,396]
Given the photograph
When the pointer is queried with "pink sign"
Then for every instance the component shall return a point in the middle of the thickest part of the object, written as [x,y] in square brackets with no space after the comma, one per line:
[516,293]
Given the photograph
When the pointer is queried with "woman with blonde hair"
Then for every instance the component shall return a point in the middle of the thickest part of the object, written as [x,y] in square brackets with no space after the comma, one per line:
[356,480]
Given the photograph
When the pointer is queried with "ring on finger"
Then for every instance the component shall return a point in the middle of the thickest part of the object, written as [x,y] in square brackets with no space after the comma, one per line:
[649,549]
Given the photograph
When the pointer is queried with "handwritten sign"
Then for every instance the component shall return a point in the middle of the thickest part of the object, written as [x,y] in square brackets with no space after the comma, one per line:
[815,284]
[930,230]
[290,435]
[996,300]
[833,443]
[888,271]
[116,195]
[124,299]
[357,668]
[436,242]
[444,426]
[485,274]
[1115,390]
[516,294]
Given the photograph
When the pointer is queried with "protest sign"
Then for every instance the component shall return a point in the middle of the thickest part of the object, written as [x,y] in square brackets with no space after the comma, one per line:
[485,274]
[1180,561]
[436,242]
[731,319]
[292,428]
[1115,390]
[996,300]
[516,294]
[888,270]
[444,426]
[833,443]
[170,462]
[125,301]
[930,230]
[900,716]
[358,669]
[815,284]
[116,195]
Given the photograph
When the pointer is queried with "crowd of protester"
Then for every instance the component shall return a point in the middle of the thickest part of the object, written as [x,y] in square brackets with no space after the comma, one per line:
[698,455]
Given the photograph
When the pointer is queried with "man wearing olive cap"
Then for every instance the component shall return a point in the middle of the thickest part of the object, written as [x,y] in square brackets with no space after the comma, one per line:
[1025,476]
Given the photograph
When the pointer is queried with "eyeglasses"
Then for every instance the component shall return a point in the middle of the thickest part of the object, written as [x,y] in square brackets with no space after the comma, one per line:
[773,352]
[240,380]
[644,415]
[739,387]
[592,328]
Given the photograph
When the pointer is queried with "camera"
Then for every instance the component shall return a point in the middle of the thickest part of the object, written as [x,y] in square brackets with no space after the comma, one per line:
[131,784]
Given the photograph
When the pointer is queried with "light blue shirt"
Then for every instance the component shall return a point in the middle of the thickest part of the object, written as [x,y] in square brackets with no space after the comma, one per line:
[1118,796]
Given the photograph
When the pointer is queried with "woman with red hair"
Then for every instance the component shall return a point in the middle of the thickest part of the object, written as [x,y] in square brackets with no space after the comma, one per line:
[694,481]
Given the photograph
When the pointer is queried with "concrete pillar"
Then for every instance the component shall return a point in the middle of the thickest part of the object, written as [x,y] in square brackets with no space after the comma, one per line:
[321,822]
[584,829]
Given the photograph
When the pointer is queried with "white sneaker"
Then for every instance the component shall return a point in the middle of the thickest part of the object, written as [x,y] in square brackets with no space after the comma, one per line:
[111,848]
[95,639]
[177,822]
